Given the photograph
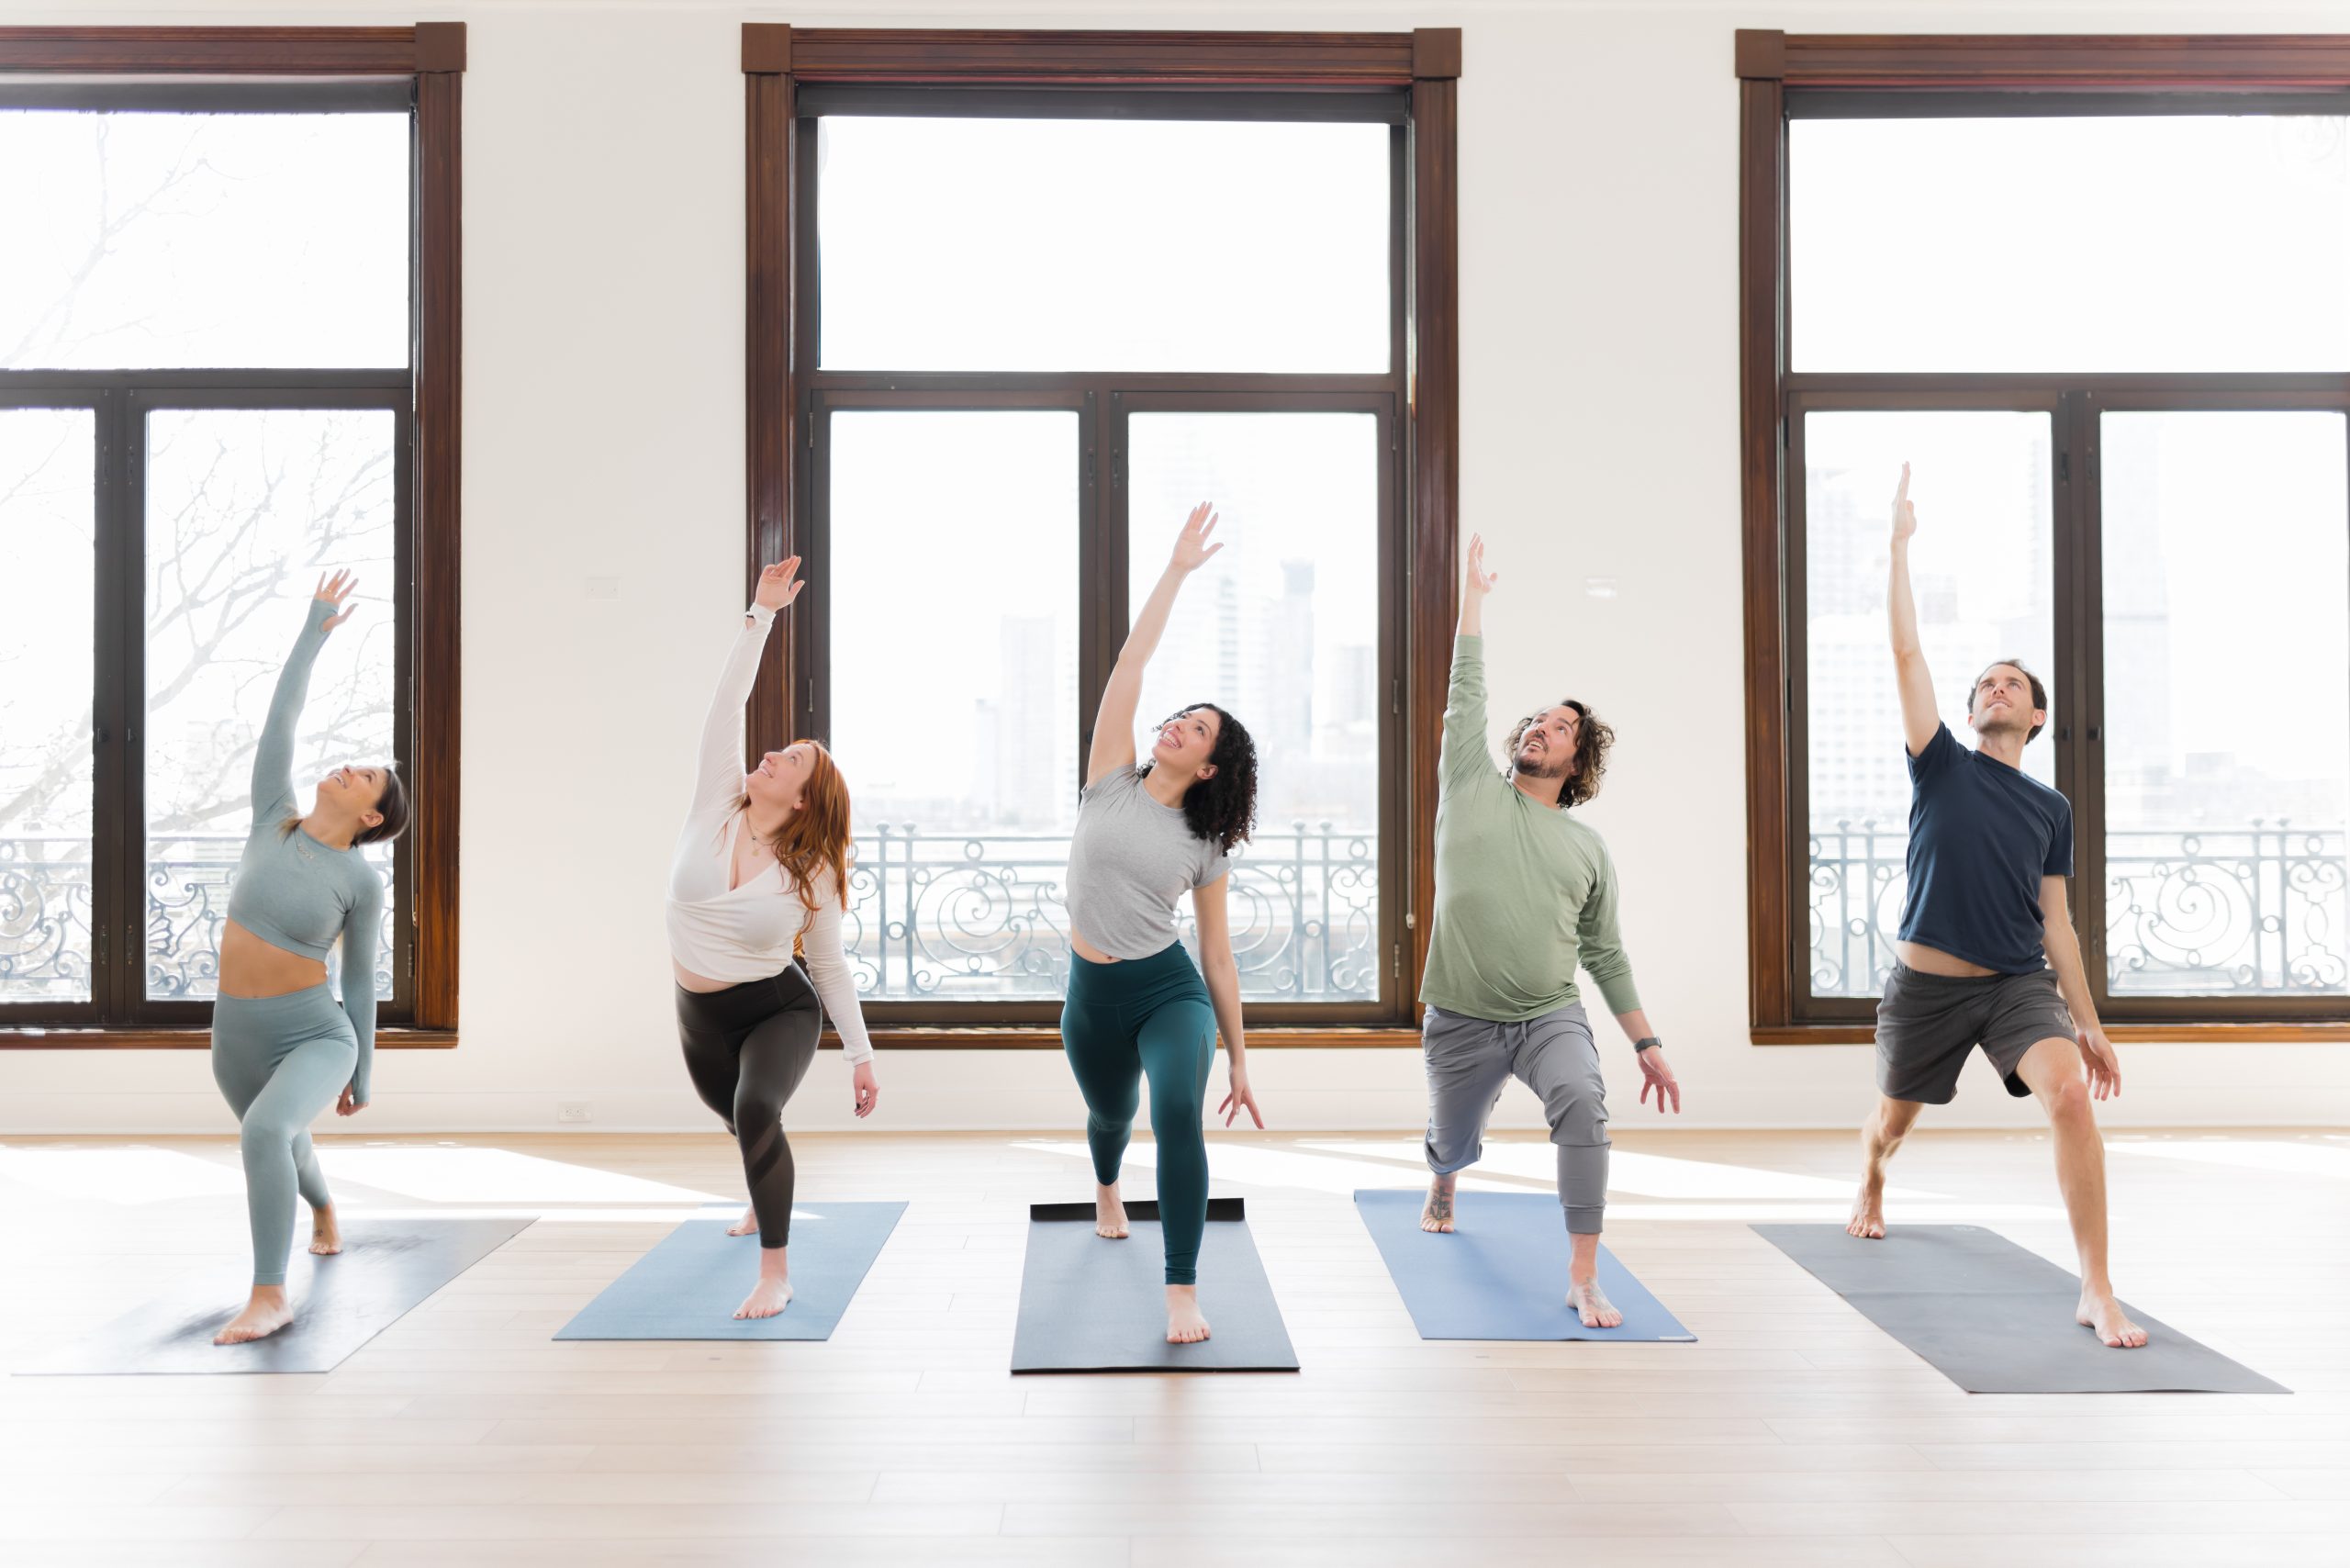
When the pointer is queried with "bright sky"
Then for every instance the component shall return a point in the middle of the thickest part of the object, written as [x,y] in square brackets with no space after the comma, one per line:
[2188,242]
[1007,244]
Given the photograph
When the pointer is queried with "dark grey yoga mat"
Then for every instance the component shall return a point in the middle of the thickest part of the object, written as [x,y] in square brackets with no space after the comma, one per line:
[1995,1318]
[386,1268]
[1087,1304]
[687,1287]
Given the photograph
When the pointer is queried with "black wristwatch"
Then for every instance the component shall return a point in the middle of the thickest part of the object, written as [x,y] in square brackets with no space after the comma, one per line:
[1650,1044]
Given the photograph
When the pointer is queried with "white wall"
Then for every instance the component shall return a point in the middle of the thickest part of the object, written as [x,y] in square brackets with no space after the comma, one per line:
[604,439]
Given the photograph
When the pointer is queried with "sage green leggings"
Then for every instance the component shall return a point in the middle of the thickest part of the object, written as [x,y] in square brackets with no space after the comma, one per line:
[1147,1018]
[280,1060]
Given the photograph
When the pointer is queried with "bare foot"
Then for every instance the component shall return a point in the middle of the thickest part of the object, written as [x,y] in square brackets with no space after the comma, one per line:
[1868,1209]
[2113,1326]
[1184,1324]
[1110,1222]
[774,1291]
[1592,1305]
[748,1225]
[264,1315]
[326,1236]
[1436,1215]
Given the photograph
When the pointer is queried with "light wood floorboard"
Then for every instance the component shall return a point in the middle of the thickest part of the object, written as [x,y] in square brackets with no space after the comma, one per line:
[1794,1432]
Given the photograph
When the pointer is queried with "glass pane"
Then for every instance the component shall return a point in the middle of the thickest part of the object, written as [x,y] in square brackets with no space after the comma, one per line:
[2227,703]
[48,595]
[2139,242]
[1280,629]
[1005,244]
[1981,569]
[245,508]
[953,603]
[169,240]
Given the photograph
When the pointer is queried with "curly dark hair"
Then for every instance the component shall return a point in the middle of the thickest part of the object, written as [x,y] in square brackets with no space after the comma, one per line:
[1223,807]
[1594,735]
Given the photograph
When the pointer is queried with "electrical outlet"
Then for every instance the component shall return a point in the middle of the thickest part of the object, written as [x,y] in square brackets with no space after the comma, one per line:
[572,1110]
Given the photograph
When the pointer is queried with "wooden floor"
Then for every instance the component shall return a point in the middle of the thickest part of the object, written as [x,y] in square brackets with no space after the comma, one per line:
[1794,1433]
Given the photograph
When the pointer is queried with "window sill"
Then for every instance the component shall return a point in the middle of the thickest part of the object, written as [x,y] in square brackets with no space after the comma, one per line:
[2276,1032]
[76,1039]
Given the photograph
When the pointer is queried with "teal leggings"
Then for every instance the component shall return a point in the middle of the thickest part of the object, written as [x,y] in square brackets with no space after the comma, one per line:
[279,1062]
[1147,1018]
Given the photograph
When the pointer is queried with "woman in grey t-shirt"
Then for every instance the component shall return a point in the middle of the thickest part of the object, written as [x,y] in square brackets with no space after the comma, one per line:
[1137,1008]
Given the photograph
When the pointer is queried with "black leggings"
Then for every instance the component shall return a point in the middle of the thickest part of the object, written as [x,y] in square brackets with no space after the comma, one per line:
[747,1048]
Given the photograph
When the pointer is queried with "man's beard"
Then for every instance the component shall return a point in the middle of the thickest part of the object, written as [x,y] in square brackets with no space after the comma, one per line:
[2009,722]
[1542,763]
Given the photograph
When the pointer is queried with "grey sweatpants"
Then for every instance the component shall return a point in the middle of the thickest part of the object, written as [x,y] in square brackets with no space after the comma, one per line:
[1470,1060]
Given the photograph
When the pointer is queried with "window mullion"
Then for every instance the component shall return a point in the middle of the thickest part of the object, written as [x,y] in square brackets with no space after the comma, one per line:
[116,874]
[2081,634]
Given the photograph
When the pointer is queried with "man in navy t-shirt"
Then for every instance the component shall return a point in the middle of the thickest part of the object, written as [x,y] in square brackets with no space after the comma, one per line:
[1986,952]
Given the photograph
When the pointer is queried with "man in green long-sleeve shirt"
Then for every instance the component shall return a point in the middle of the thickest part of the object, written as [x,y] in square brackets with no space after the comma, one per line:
[1525,894]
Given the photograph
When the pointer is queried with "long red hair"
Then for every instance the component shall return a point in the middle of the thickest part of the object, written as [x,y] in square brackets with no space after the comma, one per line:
[815,837]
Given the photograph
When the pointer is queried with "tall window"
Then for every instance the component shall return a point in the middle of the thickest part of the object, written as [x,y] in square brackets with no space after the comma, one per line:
[2111,335]
[205,403]
[1045,326]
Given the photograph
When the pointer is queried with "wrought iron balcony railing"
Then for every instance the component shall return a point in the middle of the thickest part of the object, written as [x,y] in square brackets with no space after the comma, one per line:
[2256,911]
[930,918]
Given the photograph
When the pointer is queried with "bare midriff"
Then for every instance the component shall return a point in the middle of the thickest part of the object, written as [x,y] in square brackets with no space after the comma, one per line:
[1088,951]
[701,985]
[1935,962]
[252,968]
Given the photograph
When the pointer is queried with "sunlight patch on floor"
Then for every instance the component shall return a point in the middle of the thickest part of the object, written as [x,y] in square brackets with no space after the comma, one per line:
[1646,1175]
[131,1173]
[2252,1154]
[455,1175]
[1702,1189]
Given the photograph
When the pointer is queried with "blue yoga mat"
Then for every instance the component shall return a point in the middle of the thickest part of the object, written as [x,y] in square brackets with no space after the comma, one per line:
[1502,1274]
[688,1287]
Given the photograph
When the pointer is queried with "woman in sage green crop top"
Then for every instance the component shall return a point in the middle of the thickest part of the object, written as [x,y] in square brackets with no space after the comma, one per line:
[280,1052]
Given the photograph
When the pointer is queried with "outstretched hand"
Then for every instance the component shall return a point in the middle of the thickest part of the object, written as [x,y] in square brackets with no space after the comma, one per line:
[1238,1099]
[2103,1063]
[1657,1073]
[1479,579]
[1191,546]
[779,584]
[1905,516]
[334,590]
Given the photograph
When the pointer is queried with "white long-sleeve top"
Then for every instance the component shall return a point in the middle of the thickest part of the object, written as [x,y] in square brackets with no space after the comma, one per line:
[746,933]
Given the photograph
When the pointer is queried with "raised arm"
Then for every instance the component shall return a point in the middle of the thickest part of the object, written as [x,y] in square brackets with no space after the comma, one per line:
[273,787]
[718,773]
[1919,719]
[1463,753]
[1114,721]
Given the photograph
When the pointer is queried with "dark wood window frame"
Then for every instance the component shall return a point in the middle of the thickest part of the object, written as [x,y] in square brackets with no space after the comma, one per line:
[195,67]
[1964,74]
[1421,394]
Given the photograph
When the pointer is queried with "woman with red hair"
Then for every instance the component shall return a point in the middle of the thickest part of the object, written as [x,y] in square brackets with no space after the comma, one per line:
[755,897]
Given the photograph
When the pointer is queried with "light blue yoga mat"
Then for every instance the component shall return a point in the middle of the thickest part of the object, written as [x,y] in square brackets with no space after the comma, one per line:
[688,1287]
[1502,1274]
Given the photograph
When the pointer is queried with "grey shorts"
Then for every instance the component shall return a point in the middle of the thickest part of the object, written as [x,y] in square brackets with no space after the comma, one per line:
[1927,1024]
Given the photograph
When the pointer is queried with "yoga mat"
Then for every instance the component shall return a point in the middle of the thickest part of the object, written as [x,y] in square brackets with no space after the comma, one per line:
[687,1287]
[1502,1274]
[1995,1318]
[1090,1305]
[385,1267]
